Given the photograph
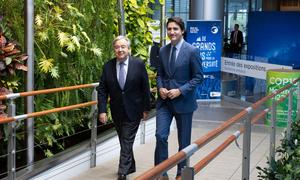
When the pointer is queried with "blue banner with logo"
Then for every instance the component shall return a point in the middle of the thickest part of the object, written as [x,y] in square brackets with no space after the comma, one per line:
[207,36]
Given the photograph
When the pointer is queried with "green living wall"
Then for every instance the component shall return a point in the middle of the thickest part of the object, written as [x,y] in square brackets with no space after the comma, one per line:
[72,42]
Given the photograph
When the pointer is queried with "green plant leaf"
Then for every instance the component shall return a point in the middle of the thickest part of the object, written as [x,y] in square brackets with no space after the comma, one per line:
[56,126]
[54,72]
[8,60]
[38,20]
[43,35]
[63,54]
[86,36]
[75,40]
[46,64]
[141,23]
[48,153]
[96,51]
[70,46]
[63,38]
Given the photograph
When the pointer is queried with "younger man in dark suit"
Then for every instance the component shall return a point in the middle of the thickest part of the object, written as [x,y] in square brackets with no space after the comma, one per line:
[179,72]
[125,82]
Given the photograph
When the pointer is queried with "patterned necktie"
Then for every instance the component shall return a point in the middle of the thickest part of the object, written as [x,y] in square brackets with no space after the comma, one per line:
[122,75]
[172,60]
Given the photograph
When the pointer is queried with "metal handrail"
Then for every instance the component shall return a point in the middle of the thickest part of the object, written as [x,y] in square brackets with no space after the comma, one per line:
[188,151]
[46,91]
[11,120]
[45,112]
[205,161]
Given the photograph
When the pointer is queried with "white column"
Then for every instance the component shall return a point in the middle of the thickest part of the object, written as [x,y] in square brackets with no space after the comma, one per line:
[213,10]
[207,9]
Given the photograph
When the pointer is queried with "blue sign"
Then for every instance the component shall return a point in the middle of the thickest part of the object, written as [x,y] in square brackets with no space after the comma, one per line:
[207,36]
[276,42]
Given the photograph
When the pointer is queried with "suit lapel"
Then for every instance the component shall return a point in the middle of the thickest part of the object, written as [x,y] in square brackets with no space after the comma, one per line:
[114,72]
[167,58]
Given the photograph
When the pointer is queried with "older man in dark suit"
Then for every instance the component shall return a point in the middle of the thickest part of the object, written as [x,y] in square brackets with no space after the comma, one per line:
[125,82]
[179,72]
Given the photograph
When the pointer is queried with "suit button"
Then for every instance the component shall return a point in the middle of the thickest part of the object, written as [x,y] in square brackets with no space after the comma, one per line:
[123,92]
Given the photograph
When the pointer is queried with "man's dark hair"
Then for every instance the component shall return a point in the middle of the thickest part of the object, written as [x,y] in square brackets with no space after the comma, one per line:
[178,21]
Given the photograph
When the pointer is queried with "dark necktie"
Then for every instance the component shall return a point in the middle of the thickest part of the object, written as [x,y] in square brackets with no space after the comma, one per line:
[122,75]
[172,60]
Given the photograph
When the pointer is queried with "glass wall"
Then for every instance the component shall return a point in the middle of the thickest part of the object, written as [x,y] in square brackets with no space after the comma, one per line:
[238,14]
[235,12]
[178,8]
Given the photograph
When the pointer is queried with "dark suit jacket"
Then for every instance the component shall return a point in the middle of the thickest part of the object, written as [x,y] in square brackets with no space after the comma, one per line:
[154,55]
[236,47]
[187,76]
[240,39]
[135,98]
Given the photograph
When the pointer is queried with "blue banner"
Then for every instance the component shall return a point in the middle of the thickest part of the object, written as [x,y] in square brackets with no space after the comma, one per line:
[207,36]
[275,42]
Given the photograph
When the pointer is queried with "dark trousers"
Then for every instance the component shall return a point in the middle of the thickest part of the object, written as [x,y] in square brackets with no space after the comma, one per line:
[164,118]
[236,48]
[126,130]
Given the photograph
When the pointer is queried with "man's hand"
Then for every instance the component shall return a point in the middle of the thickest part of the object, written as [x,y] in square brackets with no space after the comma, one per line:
[145,115]
[174,93]
[163,92]
[103,118]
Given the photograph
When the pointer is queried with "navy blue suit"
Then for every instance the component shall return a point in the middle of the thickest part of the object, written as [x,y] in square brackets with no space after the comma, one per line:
[186,76]
[127,105]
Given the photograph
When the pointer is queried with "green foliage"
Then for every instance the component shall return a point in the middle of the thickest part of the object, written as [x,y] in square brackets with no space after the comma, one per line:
[287,165]
[60,35]
[137,24]
[72,42]
[71,38]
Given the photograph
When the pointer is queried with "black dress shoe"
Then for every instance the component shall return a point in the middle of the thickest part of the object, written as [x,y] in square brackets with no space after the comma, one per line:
[122,177]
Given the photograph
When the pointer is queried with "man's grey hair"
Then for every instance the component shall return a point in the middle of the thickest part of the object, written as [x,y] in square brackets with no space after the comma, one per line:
[121,38]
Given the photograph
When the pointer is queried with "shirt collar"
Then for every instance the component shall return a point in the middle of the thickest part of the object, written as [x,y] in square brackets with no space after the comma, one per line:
[179,44]
[125,62]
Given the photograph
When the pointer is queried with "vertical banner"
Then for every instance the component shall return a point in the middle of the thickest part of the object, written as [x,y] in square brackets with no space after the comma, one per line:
[207,36]
[277,79]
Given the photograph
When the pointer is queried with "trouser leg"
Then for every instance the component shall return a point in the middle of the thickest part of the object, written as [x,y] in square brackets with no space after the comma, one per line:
[127,135]
[163,121]
[184,128]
